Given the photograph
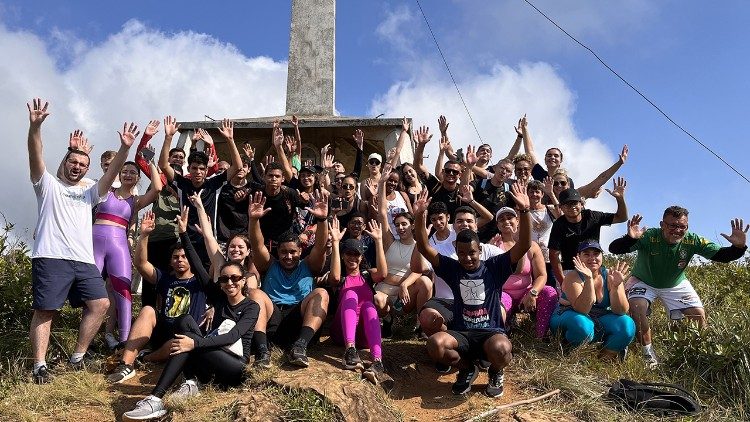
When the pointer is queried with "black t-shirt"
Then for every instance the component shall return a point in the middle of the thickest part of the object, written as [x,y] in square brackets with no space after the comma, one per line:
[539,173]
[244,314]
[438,193]
[283,213]
[565,236]
[209,195]
[231,215]
[493,198]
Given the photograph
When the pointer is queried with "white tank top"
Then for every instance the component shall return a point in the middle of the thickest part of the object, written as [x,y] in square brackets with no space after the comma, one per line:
[398,257]
[395,207]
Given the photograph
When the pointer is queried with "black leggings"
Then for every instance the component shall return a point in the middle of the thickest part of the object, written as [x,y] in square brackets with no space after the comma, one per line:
[207,365]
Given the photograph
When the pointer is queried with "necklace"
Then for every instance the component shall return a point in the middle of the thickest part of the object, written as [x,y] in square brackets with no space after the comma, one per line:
[539,223]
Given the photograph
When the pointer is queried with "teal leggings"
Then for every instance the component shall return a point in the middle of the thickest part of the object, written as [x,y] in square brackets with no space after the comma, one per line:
[615,331]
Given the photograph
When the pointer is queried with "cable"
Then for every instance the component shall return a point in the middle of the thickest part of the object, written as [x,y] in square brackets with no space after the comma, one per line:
[449,71]
[637,91]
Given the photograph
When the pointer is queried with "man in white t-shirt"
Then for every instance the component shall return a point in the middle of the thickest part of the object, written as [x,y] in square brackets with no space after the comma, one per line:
[62,264]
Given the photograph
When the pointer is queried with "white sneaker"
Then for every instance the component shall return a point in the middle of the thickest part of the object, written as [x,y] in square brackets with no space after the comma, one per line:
[149,408]
[651,361]
[188,389]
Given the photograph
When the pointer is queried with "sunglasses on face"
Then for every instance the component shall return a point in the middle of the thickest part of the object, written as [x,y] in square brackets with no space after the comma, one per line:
[236,278]
[523,169]
[373,162]
[348,186]
[451,172]
[560,183]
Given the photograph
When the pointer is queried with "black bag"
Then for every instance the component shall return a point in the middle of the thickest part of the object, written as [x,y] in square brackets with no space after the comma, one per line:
[661,399]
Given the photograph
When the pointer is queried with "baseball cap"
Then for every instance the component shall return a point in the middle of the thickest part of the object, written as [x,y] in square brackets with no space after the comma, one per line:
[569,195]
[312,169]
[376,156]
[352,245]
[505,210]
[589,244]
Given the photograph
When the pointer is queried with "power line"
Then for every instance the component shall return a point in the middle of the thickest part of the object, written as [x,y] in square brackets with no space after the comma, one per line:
[638,91]
[449,71]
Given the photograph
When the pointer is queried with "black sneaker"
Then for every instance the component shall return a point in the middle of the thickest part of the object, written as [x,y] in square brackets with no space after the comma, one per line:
[483,364]
[42,375]
[87,361]
[351,359]
[376,374]
[495,384]
[442,368]
[386,328]
[140,359]
[263,360]
[464,378]
[297,356]
[123,372]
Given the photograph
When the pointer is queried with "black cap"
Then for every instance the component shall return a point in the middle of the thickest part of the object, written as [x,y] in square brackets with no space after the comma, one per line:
[569,195]
[352,245]
[312,169]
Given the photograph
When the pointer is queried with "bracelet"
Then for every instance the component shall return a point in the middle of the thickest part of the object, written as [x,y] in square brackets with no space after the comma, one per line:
[524,211]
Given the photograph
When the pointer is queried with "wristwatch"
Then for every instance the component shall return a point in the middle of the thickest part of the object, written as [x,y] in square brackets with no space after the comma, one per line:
[534,293]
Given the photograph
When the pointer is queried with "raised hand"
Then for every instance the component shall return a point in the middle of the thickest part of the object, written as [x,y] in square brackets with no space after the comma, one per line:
[290,143]
[466,194]
[374,230]
[249,150]
[387,169]
[151,149]
[405,125]
[548,185]
[37,111]
[581,267]
[182,219]
[170,126]
[423,135]
[521,125]
[421,202]
[471,155]
[617,275]
[518,192]
[152,128]
[443,125]
[295,121]
[195,199]
[624,154]
[79,142]
[308,163]
[320,206]
[334,230]
[390,155]
[372,187]
[738,237]
[445,144]
[328,161]
[227,129]
[128,134]
[148,223]
[634,229]
[324,150]
[269,159]
[256,207]
[359,138]
[205,136]
[619,185]
[278,135]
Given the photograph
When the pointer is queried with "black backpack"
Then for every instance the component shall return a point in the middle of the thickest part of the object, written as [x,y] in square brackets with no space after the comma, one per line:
[657,398]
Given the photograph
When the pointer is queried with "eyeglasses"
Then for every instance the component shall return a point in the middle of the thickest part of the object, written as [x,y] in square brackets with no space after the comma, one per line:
[236,278]
[348,186]
[560,183]
[676,226]
[451,172]
[373,162]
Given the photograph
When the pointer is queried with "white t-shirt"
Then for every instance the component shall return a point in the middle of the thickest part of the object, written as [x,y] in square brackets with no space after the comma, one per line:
[63,230]
[442,291]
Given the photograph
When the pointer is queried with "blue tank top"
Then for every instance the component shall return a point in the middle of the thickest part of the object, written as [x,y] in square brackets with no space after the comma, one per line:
[287,288]
[604,304]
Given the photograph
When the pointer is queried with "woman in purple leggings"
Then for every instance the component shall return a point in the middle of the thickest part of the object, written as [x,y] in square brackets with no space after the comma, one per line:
[111,248]
[356,301]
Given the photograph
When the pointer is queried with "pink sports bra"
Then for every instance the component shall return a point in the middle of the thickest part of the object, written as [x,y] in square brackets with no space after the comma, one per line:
[116,210]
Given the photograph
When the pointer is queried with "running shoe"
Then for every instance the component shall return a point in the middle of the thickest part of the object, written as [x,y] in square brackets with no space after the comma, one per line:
[351,359]
[483,364]
[262,360]
[123,372]
[149,408]
[376,374]
[42,375]
[297,356]
[464,378]
[495,385]
[651,361]
[442,368]
[188,389]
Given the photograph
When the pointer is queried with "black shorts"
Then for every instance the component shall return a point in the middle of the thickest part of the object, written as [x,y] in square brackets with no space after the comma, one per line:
[55,280]
[285,323]
[443,306]
[471,342]
[162,333]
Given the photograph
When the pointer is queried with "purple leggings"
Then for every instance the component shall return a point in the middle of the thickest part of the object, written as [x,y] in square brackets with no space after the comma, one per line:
[112,257]
[355,305]
[545,305]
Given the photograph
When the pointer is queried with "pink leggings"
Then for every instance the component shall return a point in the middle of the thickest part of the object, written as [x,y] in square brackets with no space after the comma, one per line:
[355,304]
[545,305]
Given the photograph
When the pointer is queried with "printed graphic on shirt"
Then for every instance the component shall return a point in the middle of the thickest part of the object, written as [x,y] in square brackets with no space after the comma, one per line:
[178,301]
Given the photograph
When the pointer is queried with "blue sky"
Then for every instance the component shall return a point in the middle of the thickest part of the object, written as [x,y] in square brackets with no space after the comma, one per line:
[103,63]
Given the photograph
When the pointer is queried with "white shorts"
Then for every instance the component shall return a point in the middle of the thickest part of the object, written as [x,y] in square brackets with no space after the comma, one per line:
[389,290]
[675,299]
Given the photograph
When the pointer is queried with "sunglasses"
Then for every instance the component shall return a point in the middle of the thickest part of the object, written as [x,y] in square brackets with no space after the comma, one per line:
[559,183]
[523,169]
[236,278]
[348,186]
[373,162]
[451,172]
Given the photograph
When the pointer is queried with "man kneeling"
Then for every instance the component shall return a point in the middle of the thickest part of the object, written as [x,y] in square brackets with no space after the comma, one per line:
[477,330]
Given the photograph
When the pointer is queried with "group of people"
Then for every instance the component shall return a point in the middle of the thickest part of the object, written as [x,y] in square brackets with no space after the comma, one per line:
[236,256]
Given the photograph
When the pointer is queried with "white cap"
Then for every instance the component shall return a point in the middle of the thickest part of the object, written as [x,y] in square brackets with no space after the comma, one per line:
[505,210]
[376,156]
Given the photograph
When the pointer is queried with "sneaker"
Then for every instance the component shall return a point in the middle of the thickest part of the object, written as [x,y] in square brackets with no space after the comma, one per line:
[297,356]
[351,359]
[111,341]
[188,389]
[87,361]
[42,375]
[482,364]
[442,368]
[651,361]
[263,360]
[495,384]
[465,377]
[622,355]
[140,358]
[123,372]
[386,327]
[376,374]
[149,408]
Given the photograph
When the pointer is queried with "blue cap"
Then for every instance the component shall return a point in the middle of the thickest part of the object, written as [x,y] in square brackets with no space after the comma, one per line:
[589,244]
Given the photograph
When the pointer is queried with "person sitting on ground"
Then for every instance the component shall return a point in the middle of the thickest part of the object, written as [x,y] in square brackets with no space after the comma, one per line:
[218,358]
[659,271]
[542,217]
[356,301]
[477,330]
[593,305]
[526,289]
[62,259]
[578,224]
[181,291]
[299,307]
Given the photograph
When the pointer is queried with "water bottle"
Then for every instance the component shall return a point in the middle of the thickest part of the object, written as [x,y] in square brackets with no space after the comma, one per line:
[398,305]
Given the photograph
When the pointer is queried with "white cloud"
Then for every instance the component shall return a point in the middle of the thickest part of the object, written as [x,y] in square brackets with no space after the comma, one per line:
[496,100]
[398,29]
[136,74]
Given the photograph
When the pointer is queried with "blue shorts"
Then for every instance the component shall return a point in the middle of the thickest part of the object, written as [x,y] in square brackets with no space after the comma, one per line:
[55,280]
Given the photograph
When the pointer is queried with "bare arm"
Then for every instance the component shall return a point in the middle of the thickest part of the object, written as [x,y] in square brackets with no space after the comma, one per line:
[589,190]
[140,260]
[227,130]
[316,260]
[381,265]
[528,144]
[37,114]
[156,187]
[580,293]
[170,128]
[484,215]
[556,264]
[212,246]
[383,207]
[334,276]
[518,192]
[278,144]
[402,138]
[127,137]
[297,136]
[423,136]
[256,210]
[621,215]
[618,300]
[517,143]
[420,230]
